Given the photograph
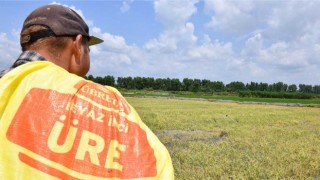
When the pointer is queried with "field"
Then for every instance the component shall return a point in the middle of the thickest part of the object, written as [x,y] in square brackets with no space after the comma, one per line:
[224,96]
[216,140]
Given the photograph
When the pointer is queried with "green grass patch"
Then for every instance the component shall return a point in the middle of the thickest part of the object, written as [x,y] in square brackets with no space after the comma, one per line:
[219,96]
[212,140]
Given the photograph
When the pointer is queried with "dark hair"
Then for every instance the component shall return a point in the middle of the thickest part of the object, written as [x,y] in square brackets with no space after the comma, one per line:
[53,45]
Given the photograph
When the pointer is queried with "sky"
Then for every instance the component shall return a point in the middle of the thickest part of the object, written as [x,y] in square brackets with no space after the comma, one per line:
[265,41]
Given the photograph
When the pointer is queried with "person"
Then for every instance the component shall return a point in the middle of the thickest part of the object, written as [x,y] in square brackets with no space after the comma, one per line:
[56,124]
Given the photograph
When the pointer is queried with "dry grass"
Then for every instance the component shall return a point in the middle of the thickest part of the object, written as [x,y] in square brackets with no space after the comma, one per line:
[209,140]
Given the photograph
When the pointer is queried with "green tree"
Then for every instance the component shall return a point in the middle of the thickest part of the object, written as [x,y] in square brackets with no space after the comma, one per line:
[187,84]
[175,85]
[109,80]
[305,88]
[206,85]
[235,86]
[263,86]
[218,86]
[158,83]
[316,89]
[292,88]
[139,83]
[253,86]
[99,80]
[196,85]
[90,77]
[148,82]
[279,86]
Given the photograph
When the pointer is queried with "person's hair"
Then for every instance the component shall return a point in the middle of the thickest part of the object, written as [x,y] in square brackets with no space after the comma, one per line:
[54,45]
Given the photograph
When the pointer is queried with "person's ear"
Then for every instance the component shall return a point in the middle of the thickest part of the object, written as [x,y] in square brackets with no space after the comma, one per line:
[77,47]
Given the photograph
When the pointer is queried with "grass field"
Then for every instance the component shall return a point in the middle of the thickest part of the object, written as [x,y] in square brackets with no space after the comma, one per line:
[212,140]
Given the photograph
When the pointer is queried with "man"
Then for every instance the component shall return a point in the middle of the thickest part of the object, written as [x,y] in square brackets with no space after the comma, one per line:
[55,124]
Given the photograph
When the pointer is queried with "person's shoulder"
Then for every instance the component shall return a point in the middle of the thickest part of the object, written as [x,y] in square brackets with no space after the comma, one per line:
[101,87]
[38,66]
[113,89]
[32,69]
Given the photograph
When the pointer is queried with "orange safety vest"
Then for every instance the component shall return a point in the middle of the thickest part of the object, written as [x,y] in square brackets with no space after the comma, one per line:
[54,124]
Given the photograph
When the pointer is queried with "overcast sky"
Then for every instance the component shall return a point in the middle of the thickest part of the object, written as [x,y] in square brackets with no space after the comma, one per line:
[219,40]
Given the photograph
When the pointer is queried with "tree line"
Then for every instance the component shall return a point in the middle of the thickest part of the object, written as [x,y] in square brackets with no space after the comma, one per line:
[197,85]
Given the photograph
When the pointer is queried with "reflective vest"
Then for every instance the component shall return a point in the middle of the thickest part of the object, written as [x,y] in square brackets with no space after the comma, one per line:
[54,124]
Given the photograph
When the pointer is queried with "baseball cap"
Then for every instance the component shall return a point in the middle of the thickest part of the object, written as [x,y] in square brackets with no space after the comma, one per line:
[60,21]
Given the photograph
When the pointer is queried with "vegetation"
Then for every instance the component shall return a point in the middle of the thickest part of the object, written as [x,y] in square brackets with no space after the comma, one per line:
[221,97]
[210,140]
[285,95]
[253,89]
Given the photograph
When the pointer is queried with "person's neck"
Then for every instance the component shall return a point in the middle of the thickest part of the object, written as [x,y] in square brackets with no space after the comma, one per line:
[61,60]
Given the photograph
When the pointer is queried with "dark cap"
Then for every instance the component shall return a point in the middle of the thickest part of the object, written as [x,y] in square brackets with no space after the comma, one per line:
[61,21]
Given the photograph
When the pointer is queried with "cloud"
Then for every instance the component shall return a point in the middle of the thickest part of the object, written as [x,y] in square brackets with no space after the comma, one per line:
[177,51]
[261,41]
[215,51]
[173,39]
[71,7]
[112,55]
[174,13]
[178,33]
[126,5]
[274,39]
[231,17]
[9,49]
[291,20]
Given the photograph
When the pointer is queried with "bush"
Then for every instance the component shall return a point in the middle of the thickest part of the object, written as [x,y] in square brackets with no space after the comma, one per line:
[266,94]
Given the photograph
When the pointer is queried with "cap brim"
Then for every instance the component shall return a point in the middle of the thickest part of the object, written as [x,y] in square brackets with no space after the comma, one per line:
[94,40]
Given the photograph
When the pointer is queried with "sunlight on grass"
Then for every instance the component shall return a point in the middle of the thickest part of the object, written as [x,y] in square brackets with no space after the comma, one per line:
[210,140]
